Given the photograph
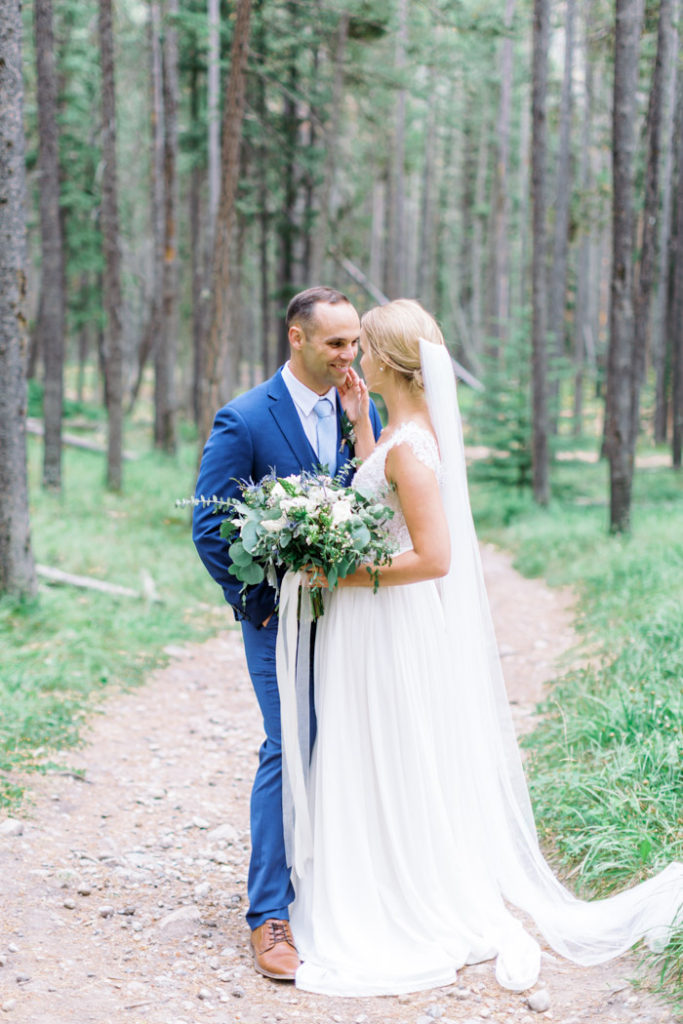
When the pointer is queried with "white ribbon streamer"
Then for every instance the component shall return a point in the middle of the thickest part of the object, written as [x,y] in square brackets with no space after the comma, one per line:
[293,680]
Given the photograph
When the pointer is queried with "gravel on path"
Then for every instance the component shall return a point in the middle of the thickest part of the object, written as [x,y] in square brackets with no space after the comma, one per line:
[122,897]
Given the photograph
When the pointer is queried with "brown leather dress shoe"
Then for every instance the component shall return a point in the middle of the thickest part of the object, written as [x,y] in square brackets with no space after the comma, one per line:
[275,954]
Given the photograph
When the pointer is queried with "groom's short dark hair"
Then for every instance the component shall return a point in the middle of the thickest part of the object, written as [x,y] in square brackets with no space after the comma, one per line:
[301,306]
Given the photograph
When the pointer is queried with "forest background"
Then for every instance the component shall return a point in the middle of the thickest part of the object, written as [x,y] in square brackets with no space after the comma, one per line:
[172,172]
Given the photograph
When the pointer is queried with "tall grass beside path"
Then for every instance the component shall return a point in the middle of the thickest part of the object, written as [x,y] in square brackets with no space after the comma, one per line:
[606,760]
[62,651]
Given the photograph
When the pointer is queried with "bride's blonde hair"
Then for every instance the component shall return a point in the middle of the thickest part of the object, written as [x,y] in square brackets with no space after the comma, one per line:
[393,333]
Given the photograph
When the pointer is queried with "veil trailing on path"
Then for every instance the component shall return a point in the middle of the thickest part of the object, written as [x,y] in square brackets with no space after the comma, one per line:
[488,789]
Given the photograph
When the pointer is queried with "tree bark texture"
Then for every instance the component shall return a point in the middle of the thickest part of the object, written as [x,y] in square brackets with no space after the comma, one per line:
[676,320]
[584,321]
[17,569]
[52,265]
[113,349]
[322,224]
[558,273]
[661,342]
[214,114]
[498,299]
[196,252]
[219,330]
[167,342]
[621,355]
[539,442]
[152,328]
[648,251]
[395,262]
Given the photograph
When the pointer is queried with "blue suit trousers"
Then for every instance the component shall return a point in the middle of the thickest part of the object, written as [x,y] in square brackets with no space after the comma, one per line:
[269,885]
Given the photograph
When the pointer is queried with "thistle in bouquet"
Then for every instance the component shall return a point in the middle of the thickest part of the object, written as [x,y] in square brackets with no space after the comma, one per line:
[300,522]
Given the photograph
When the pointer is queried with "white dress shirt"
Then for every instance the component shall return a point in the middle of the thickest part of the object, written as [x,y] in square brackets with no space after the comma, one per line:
[305,401]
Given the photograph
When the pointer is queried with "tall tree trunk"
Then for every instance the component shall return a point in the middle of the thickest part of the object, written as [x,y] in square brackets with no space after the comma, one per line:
[166,347]
[396,255]
[676,319]
[287,224]
[621,356]
[231,131]
[583,320]
[498,300]
[558,276]
[196,250]
[214,115]
[661,340]
[478,226]
[648,251]
[152,328]
[17,570]
[264,216]
[540,450]
[52,264]
[322,225]
[113,350]
[426,249]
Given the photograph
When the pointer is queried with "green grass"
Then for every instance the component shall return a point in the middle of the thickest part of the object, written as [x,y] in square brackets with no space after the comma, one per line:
[606,762]
[62,651]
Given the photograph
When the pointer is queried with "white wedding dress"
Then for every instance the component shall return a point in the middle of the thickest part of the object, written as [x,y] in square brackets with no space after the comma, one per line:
[419,824]
[395,898]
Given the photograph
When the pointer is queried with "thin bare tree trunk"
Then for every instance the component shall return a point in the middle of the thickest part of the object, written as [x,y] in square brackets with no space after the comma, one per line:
[498,300]
[196,251]
[619,429]
[17,569]
[166,347]
[395,261]
[478,224]
[540,449]
[426,249]
[583,321]
[52,263]
[676,319]
[648,251]
[231,131]
[152,328]
[322,225]
[558,276]
[214,115]
[112,346]
[661,341]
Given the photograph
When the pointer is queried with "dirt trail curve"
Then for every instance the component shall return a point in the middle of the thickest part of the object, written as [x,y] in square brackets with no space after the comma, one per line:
[122,897]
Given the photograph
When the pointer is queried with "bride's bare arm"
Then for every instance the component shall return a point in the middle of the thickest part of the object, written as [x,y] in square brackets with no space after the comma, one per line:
[420,498]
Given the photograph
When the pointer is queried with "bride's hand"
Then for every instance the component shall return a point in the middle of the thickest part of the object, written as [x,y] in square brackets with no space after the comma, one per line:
[355,397]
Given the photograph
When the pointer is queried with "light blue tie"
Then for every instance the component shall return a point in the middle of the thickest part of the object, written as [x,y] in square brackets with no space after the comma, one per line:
[326,434]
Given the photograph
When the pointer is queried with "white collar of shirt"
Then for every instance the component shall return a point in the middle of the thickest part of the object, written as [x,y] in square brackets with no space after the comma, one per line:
[303,397]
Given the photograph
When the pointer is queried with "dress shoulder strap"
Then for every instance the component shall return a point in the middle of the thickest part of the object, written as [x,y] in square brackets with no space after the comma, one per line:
[421,442]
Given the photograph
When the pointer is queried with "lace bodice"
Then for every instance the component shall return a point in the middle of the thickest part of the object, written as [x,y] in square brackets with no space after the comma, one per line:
[371,481]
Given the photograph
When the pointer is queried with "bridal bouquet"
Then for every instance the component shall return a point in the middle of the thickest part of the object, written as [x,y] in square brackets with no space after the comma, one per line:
[296,522]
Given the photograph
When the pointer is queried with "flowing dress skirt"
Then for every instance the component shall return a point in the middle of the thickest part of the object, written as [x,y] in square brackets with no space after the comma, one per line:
[397,896]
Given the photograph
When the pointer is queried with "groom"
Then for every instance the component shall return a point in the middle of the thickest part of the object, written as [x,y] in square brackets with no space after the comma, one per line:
[290,423]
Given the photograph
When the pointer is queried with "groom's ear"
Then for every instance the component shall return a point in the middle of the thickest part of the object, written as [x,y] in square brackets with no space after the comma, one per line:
[296,336]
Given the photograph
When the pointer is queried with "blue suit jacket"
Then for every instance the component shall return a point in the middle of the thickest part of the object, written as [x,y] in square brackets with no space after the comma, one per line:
[255,433]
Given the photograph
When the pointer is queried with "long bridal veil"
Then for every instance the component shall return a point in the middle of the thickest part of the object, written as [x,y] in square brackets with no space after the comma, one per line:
[485,779]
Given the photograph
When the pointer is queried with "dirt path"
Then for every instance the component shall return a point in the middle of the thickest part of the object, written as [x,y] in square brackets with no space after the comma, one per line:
[122,897]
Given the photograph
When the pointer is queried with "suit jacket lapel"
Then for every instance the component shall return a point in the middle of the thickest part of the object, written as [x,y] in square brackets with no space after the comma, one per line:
[283,410]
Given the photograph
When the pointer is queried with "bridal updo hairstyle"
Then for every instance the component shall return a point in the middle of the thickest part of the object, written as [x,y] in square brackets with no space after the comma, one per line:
[392,333]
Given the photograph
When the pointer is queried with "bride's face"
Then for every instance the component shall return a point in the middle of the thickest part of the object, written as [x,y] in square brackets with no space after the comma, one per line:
[370,365]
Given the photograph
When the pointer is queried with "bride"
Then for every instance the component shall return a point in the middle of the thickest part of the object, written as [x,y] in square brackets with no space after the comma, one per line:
[422,854]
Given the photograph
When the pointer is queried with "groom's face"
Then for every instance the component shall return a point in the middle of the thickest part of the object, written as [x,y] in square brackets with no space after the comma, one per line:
[323,350]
